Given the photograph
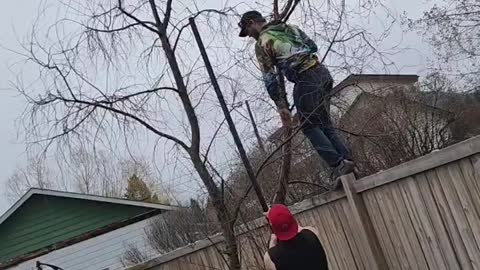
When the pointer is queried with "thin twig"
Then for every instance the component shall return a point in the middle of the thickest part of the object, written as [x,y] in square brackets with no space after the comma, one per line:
[142,23]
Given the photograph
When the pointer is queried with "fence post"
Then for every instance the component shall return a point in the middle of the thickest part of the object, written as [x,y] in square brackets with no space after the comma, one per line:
[366,234]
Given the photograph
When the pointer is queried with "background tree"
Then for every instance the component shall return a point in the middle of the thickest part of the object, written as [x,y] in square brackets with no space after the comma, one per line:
[35,175]
[452,28]
[86,173]
[401,124]
[138,190]
[173,230]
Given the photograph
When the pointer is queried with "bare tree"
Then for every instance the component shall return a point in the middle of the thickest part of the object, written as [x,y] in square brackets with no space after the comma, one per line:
[75,105]
[308,177]
[87,173]
[173,230]
[116,72]
[133,255]
[35,174]
[399,125]
[452,28]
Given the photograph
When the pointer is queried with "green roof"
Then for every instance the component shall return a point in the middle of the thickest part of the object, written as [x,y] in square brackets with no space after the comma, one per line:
[44,220]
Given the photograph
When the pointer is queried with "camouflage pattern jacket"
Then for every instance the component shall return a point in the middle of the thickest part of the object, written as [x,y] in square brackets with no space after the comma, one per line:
[286,47]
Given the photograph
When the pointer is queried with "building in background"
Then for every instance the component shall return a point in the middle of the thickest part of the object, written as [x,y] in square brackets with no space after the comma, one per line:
[73,231]
[351,88]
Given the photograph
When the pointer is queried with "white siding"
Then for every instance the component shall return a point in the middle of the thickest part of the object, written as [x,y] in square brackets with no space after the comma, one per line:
[102,252]
[345,98]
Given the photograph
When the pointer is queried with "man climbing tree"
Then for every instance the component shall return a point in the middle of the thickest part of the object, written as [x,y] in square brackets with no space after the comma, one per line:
[286,48]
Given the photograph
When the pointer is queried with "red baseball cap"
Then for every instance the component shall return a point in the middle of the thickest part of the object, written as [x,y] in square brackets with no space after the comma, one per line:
[284,225]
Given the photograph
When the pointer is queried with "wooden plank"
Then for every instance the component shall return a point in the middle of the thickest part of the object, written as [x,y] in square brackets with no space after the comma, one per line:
[406,224]
[210,259]
[220,258]
[347,255]
[310,218]
[248,249]
[338,250]
[476,166]
[213,258]
[448,220]
[423,224]
[326,241]
[460,210]
[331,234]
[201,259]
[394,212]
[446,155]
[381,229]
[182,263]
[316,201]
[366,232]
[191,262]
[438,221]
[361,258]
[473,185]
[324,238]
[459,182]
[382,200]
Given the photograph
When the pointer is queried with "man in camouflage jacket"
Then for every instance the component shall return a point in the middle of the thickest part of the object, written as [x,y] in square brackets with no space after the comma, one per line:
[289,49]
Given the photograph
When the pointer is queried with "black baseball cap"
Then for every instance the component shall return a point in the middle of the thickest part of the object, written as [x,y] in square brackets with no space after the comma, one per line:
[246,17]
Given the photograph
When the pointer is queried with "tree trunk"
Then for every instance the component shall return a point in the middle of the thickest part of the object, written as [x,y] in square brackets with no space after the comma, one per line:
[194,151]
[255,130]
[281,193]
[231,247]
[227,223]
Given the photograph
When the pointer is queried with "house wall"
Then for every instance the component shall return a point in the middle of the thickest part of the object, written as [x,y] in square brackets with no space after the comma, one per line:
[345,97]
[43,221]
[99,253]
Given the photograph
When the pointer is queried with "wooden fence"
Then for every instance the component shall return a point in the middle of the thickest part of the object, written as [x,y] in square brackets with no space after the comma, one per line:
[423,214]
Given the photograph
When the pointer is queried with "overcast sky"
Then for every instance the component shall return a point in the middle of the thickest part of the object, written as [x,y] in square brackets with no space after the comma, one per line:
[16,18]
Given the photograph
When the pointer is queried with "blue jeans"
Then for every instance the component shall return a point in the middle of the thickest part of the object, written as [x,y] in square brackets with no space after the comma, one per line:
[311,96]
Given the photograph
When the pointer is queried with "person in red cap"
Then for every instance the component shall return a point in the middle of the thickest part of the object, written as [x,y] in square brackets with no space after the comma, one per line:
[293,247]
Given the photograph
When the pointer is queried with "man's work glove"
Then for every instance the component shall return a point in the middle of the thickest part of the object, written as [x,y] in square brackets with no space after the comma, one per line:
[286,117]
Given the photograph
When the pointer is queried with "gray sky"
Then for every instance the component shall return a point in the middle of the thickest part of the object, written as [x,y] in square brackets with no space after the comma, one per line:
[16,18]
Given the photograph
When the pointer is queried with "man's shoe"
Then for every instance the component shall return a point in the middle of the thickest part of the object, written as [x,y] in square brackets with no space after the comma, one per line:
[345,167]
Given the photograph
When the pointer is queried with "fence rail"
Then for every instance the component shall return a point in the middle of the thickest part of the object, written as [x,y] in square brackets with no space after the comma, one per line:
[422,214]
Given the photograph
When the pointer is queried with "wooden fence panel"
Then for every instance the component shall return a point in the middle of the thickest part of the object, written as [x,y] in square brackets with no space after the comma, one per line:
[386,209]
[350,229]
[412,239]
[436,217]
[336,237]
[380,227]
[424,214]
[457,219]
[448,220]
[422,223]
[314,218]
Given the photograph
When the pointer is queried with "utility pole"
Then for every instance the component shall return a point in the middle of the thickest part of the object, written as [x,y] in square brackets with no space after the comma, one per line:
[228,117]
[255,129]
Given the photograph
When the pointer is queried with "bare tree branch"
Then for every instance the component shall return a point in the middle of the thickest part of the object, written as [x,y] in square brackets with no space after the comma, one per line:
[168,13]
[142,23]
